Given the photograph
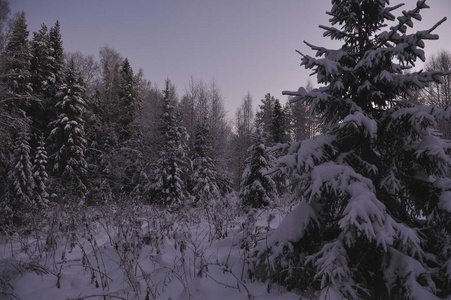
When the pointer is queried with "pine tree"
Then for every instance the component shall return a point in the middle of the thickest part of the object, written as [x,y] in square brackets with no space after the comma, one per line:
[257,187]
[205,175]
[40,175]
[373,220]
[171,171]
[67,138]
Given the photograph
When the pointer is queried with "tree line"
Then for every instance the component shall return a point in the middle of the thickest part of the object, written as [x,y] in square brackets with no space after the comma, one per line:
[78,130]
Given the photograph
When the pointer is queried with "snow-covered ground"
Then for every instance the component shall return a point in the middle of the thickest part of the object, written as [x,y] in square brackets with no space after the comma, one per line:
[136,252]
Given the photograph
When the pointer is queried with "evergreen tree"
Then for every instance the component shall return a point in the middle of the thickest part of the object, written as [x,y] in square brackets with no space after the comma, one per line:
[265,114]
[127,102]
[279,128]
[42,79]
[67,138]
[257,187]
[16,65]
[41,62]
[57,53]
[4,17]
[171,172]
[20,194]
[40,175]
[373,220]
[205,176]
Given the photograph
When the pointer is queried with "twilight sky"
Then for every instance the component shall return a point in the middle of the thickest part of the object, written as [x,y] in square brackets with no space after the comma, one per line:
[244,45]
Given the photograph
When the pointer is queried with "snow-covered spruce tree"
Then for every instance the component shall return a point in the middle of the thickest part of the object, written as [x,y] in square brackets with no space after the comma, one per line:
[171,171]
[205,176]
[41,62]
[67,141]
[40,176]
[20,193]
[257,188]
[374,213]
[42,79]
[47,75]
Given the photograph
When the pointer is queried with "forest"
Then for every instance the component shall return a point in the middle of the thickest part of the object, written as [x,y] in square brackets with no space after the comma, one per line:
[341,192]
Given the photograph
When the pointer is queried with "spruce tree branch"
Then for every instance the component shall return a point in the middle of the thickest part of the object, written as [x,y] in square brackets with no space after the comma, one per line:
[300,52]
[437,25]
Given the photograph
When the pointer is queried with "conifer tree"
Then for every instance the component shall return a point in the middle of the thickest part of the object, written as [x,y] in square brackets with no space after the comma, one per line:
[279,128]
[67,138]
[41,62]
[20,193]
[265,114]
[171,171]
[127,102]
[56,44]
[205,175]
[257,188]
[40,175]
[16,65]
[373,220]
[42,79]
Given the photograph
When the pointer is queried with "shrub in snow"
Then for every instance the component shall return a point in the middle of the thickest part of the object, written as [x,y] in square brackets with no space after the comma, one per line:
[373,220]
[257,187]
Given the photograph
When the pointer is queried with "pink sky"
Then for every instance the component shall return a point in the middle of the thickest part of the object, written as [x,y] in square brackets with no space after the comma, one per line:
[245,46]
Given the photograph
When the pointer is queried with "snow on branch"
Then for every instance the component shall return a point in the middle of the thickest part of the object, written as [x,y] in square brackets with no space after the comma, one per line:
[303,156]
[406,271]
[359,120]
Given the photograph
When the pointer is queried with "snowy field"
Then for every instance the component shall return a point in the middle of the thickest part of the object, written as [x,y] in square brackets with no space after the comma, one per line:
[136,252]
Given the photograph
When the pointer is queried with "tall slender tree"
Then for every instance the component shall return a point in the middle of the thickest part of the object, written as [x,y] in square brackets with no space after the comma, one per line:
[41,62]
[40,176]
[4,16]
[67,138]
[169,185]
[16,65]
[205,176]
[57,66]
[265,114]
[373,220]
[19,199]
[42,79]
[127,106]
[244,128]
[279,126]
